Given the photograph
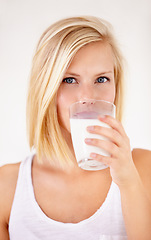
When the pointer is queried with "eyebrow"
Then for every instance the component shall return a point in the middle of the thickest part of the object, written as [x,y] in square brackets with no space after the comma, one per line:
[103,73]
[98,74]
[73,74]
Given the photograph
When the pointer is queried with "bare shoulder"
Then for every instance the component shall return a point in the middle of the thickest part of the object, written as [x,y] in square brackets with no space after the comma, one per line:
[142,158]
[142,161]
[8,180]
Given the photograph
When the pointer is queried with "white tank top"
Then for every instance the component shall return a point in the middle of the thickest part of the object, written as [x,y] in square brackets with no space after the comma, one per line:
[28,221]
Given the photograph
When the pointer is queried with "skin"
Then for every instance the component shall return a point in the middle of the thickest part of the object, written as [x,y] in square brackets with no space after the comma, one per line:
[85,71]
[92,77]
[77,194]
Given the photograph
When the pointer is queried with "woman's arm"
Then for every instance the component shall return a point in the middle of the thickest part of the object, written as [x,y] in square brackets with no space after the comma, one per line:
[8,180]
[3,231]
[135,193]
[136,208]
[3,204]
[136,198]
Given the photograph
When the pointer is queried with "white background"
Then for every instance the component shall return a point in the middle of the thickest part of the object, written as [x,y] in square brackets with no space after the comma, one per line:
[21,24]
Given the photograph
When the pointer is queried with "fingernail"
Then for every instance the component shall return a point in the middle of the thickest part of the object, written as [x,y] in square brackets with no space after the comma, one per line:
[90,128]
[93,155]
[102,117]
[87,140]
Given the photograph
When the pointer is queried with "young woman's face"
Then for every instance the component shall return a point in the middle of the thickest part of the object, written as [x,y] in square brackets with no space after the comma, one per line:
[89,76]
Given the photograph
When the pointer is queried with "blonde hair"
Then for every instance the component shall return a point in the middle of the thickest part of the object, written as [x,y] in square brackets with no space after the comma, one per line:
[55,50]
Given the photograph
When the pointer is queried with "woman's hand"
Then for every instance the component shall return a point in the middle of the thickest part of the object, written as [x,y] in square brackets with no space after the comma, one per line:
[121,164]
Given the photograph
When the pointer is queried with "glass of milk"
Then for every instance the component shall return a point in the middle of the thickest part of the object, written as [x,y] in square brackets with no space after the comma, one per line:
[84,114]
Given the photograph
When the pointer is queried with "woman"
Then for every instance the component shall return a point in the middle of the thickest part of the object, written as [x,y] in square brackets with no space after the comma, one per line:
[48,196]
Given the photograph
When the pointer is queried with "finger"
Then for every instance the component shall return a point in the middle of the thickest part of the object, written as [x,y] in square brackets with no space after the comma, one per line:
[108,146]
[113,123]
[109,133]
[103,159]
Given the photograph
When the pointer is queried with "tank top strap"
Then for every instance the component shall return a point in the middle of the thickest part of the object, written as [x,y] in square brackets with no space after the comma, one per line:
[22,188]
[24,172]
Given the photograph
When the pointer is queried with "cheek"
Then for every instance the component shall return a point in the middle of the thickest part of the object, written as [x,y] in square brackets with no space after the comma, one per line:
[112,93]
[63,104]
[109,94]
[61,110]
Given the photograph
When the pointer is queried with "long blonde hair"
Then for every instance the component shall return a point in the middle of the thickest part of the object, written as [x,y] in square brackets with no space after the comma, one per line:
[55,50]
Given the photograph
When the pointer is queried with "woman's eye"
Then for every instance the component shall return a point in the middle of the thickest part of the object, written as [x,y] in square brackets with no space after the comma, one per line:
[102,79]
[69,80]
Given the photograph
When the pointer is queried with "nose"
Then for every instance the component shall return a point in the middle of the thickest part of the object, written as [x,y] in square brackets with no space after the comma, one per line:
[86,92]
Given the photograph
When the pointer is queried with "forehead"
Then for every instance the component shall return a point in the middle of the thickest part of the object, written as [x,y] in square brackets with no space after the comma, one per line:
[97,54]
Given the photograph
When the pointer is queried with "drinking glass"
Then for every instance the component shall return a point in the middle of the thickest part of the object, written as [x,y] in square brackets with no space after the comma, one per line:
[84,114]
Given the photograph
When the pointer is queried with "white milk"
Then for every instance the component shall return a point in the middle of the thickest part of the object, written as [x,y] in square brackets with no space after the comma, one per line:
[82,150]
